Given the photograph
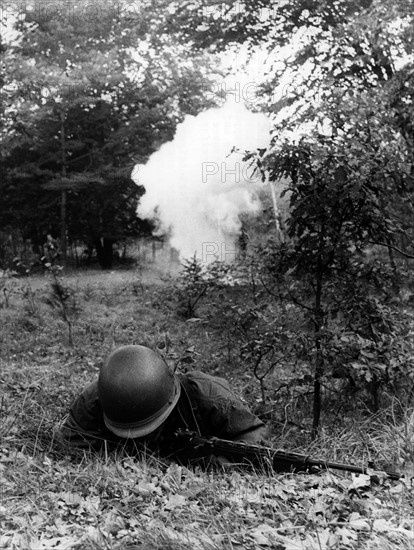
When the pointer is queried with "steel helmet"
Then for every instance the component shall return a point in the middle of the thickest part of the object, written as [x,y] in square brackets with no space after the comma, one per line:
[137,391]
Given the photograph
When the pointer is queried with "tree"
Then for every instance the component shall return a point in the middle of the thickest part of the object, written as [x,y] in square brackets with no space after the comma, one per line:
[88,100]
[351,187]
[340,204]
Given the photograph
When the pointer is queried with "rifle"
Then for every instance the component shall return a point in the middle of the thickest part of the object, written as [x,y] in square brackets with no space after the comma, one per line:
[196,446]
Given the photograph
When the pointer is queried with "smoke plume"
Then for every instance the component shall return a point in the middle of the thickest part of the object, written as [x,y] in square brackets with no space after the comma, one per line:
[196,187]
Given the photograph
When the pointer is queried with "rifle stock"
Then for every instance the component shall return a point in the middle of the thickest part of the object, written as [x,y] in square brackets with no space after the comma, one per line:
[197,446]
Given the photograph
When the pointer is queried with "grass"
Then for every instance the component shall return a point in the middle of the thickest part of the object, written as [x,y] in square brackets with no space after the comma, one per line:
[52,499]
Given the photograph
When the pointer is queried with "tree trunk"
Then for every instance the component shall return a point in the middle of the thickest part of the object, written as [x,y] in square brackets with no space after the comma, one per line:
[64,192]
[318,322]
[317,399]
[63,200]
[103,247]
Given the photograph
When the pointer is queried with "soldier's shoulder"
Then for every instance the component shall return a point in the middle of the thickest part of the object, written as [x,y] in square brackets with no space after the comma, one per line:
[91,390]
[206,383]
[88,396]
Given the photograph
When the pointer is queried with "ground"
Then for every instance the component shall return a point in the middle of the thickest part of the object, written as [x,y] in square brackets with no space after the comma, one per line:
[50,499]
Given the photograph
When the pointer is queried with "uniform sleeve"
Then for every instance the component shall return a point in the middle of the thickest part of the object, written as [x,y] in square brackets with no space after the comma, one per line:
[221,412]
[84,426]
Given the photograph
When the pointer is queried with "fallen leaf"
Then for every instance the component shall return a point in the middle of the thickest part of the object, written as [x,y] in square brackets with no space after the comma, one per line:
[174,501]
[265,535]
[71,499]
[347,535]
[360,524]
[362,480]
[147,488]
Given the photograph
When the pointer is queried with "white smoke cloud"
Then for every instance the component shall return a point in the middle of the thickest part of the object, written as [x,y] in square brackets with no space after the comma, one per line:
[196,188]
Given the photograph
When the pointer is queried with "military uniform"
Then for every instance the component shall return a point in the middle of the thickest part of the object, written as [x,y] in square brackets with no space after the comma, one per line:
[206,405]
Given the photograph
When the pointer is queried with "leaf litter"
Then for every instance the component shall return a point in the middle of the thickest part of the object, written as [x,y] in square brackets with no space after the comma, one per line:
[52,501]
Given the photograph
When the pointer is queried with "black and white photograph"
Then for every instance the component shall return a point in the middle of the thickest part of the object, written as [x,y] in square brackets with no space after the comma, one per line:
[207,275]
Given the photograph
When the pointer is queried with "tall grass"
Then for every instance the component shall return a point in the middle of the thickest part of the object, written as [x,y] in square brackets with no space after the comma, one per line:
[55,498]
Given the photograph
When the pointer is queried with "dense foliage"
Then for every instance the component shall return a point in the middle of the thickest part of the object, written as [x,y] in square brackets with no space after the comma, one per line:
[350,184]
[86,100]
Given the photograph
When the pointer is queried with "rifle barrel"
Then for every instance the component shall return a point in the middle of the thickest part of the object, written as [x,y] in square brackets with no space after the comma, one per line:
[351,468]
[258,455]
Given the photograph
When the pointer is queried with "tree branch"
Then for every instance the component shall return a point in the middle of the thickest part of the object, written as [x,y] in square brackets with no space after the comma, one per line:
[405,254]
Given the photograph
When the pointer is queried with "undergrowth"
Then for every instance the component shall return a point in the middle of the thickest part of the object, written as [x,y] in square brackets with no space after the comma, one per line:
[54,499]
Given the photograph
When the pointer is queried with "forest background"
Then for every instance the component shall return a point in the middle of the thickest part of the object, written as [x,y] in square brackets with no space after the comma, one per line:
[313,321]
